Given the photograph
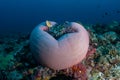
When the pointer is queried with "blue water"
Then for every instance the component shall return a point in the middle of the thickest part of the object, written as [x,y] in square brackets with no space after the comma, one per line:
[24,15]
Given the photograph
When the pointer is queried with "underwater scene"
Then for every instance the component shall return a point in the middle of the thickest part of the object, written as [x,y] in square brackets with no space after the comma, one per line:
[59,40]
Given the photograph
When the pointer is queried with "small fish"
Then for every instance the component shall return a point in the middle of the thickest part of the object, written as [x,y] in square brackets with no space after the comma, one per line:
[48,24]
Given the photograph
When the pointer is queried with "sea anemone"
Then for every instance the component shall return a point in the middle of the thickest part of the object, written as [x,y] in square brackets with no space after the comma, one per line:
[61,53]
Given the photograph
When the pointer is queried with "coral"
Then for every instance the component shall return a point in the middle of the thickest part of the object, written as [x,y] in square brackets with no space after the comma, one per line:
[102,61]
[79,71]
[110,36]
[115,71]
[100,28]
[97,76]
[118,47]
[113,25]
[102,40]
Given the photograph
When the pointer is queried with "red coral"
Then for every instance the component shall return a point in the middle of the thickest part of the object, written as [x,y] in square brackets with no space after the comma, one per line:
[79,72]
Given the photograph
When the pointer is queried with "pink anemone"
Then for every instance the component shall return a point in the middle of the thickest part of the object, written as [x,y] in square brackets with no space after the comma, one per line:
[68,50]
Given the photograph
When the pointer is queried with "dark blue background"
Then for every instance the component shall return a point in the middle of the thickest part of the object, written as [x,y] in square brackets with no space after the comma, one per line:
[24,15]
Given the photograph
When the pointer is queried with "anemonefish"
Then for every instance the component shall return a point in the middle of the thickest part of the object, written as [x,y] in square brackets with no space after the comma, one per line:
[48,24]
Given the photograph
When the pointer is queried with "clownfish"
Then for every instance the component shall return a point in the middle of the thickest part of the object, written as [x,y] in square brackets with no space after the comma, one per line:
[48,24]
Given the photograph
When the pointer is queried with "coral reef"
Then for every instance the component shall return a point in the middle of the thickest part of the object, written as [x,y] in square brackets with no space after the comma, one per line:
[102,61]
[107,53]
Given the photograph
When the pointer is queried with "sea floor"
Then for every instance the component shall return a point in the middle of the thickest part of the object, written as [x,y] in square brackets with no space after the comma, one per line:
[17,62]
